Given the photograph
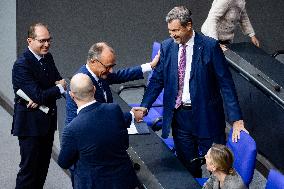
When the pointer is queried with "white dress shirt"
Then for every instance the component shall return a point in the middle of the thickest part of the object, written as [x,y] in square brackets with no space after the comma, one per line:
[189,53]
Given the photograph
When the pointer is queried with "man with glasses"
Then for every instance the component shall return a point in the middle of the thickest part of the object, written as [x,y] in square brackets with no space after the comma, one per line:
[99,67]
[36,75]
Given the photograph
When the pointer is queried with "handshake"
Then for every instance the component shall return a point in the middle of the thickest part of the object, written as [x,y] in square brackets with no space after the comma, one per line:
[139,113]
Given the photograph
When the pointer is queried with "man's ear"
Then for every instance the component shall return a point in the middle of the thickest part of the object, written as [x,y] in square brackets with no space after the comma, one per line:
[72,95]
[189,26]
[29,40]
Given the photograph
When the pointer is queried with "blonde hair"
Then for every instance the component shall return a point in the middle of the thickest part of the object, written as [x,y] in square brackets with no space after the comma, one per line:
[222,158]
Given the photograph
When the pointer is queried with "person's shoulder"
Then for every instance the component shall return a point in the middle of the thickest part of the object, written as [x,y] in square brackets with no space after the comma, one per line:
[109,106]
[207,42]
[23,59]
[83,69]
[167,42]
[206,39]
[235,180]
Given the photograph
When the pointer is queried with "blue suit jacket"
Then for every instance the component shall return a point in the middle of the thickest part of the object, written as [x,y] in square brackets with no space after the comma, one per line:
[118,77]
[39,85]
[210,80]
[97,146]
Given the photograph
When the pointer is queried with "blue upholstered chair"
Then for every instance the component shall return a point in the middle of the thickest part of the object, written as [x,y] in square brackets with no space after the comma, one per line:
[244,154]
[155,114]
[275,180]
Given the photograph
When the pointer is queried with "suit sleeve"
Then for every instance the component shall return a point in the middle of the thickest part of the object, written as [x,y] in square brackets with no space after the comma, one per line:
[156,83]
[125,75]
[246,24]
[23,79]
[218,9]
[68,154]
[226,84]
[71,109]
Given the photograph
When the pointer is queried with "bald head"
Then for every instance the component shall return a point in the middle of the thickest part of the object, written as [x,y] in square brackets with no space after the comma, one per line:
[82,88]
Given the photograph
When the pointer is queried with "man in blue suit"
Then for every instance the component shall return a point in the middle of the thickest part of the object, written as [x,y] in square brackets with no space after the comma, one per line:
[36,75]
[96,142]
[99,67]
[195,77]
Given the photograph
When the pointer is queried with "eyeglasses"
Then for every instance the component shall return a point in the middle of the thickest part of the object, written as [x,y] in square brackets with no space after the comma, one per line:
[42,41]
[107,67]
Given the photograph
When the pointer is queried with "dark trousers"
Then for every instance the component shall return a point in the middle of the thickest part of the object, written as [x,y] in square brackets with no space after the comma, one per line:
[35,157]
[188,145]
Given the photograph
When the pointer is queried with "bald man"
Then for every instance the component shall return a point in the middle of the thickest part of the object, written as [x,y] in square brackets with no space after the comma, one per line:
[96,141]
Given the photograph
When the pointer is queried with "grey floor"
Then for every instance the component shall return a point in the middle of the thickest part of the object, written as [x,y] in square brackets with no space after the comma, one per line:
[10,159]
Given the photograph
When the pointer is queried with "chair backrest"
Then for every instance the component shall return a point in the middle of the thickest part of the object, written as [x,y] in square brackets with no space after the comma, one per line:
[244,155]
[155,49]
[275,180]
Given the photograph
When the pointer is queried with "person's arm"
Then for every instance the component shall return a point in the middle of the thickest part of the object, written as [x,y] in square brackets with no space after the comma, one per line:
[156,83]
[218,9]
[133,73]
[228,91]
[68,153]
[71,108]
[247,27]
[23,78]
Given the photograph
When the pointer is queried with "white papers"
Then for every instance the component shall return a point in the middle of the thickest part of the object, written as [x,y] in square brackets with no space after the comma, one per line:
[24,96]
[132,129]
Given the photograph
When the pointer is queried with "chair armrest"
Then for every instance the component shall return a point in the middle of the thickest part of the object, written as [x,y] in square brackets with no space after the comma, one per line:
[132,86]
[276,53]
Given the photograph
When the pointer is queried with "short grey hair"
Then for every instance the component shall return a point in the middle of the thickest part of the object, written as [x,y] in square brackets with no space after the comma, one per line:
[96,50]
[82,86]
[179,13]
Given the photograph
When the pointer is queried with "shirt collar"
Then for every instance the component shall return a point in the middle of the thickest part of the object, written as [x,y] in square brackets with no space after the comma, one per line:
[93,74]
[85,105]
[190,42]
[37,56]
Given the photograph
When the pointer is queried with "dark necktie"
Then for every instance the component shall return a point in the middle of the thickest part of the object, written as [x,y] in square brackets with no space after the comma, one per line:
[43,65]
[181,74]
[101,85]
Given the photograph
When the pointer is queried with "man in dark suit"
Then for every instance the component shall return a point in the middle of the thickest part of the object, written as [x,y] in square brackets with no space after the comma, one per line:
[195,77]
[36,75]
[99,67]
[96,144]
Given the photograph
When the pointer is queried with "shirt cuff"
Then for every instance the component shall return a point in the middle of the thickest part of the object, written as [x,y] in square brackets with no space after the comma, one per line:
[133,117]
[146,67]
[251,34]
[60,88]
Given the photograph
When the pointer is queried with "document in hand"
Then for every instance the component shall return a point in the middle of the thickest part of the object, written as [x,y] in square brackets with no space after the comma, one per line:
[139,129]
[23,95]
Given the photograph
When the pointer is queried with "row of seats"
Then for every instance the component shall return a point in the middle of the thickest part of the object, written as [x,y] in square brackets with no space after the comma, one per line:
[244,150]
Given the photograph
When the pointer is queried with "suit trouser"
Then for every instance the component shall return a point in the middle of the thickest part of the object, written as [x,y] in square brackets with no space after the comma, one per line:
[35,157]
[187,145]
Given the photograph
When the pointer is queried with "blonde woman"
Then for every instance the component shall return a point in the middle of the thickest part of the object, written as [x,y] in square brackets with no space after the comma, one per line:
[223,18]
[219,161]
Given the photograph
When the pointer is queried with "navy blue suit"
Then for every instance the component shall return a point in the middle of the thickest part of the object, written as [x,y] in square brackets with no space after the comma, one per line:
[117,77]
[96,142]
[210,81]
[35,129]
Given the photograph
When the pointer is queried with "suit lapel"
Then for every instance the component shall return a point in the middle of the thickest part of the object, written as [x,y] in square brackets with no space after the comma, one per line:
[197,49]
[174,62]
